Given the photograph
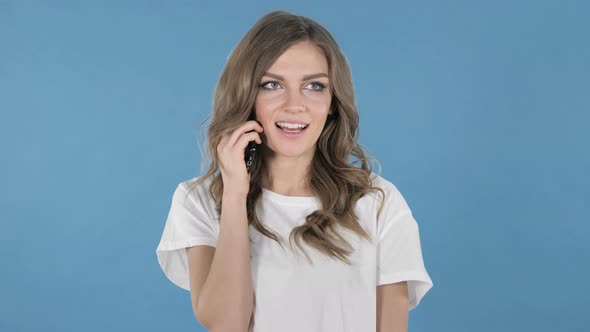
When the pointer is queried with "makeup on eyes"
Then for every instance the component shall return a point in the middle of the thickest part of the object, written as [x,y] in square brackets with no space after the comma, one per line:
[321,85]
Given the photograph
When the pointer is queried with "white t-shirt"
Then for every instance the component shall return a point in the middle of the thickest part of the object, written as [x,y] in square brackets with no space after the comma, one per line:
[290,293]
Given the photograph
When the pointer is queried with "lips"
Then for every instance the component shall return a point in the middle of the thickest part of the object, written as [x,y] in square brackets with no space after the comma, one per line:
[293,121]
[277,125]
[292,134]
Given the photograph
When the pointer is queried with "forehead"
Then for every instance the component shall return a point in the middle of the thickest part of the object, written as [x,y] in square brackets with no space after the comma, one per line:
[300,59]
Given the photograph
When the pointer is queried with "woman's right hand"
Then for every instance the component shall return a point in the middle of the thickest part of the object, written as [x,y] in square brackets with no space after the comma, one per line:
[231,151]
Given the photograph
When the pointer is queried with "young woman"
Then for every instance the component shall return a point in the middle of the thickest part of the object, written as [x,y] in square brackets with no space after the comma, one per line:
[302,239]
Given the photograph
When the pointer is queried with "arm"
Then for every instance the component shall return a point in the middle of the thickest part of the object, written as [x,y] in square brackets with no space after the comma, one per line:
[226,298]
[392,307]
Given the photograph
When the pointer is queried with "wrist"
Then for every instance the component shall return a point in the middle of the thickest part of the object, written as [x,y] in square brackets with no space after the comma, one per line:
[234,195]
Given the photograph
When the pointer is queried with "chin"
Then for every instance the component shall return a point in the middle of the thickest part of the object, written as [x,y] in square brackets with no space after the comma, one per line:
[290,152]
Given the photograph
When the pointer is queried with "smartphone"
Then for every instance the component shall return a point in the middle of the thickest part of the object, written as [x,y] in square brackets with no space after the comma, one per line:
[250,152]
[249,155]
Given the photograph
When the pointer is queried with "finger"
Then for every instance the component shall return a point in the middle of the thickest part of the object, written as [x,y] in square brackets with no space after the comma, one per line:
[242,143]
[247,126]
[223,141]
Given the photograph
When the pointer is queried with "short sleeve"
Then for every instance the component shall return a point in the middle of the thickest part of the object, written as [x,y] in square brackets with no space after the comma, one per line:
[399,251]
[187,225]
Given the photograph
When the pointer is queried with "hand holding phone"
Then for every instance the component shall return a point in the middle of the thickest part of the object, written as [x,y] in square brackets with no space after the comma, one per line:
[231,150]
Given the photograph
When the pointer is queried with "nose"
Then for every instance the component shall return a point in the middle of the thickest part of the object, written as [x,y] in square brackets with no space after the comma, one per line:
[294,101]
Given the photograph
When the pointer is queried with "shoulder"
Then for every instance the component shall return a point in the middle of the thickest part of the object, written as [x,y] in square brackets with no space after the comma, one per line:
[196,186]
[195,191]
[389,189]
[393,201]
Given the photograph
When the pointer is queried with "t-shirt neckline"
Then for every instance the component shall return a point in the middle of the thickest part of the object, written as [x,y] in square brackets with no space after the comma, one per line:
[296,200]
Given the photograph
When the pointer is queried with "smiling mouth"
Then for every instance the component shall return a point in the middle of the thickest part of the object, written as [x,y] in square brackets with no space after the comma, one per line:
[291,130]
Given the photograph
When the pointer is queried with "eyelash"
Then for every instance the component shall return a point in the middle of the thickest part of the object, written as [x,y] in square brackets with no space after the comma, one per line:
[320,84]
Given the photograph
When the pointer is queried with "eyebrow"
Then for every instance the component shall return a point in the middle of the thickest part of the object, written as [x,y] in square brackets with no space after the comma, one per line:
[305,78]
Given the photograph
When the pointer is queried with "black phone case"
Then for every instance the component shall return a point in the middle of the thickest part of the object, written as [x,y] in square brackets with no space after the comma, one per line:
[250,153]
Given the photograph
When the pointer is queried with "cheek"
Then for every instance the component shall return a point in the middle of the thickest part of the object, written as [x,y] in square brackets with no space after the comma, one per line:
[264,115]
[318,97]
[320,107]
[267,101]
[319,101]
[262,111]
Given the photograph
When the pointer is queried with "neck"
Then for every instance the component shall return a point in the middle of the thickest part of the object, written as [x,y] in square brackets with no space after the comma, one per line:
[287,175]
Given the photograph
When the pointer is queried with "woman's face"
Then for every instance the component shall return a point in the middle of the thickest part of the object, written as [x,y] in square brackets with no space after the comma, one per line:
[295,89]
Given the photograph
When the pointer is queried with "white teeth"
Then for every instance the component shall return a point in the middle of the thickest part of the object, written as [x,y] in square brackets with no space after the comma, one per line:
[291,125]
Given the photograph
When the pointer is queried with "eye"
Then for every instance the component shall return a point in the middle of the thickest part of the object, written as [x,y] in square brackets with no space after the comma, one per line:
[265,84]
[320,85]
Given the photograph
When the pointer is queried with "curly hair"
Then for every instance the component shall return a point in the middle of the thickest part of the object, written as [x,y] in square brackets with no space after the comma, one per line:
[338,183]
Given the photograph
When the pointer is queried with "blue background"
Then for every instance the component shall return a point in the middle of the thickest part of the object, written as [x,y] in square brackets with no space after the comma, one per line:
[477,110]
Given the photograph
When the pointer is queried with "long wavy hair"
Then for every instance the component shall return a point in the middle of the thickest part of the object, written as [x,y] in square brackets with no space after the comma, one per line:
[338,183]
